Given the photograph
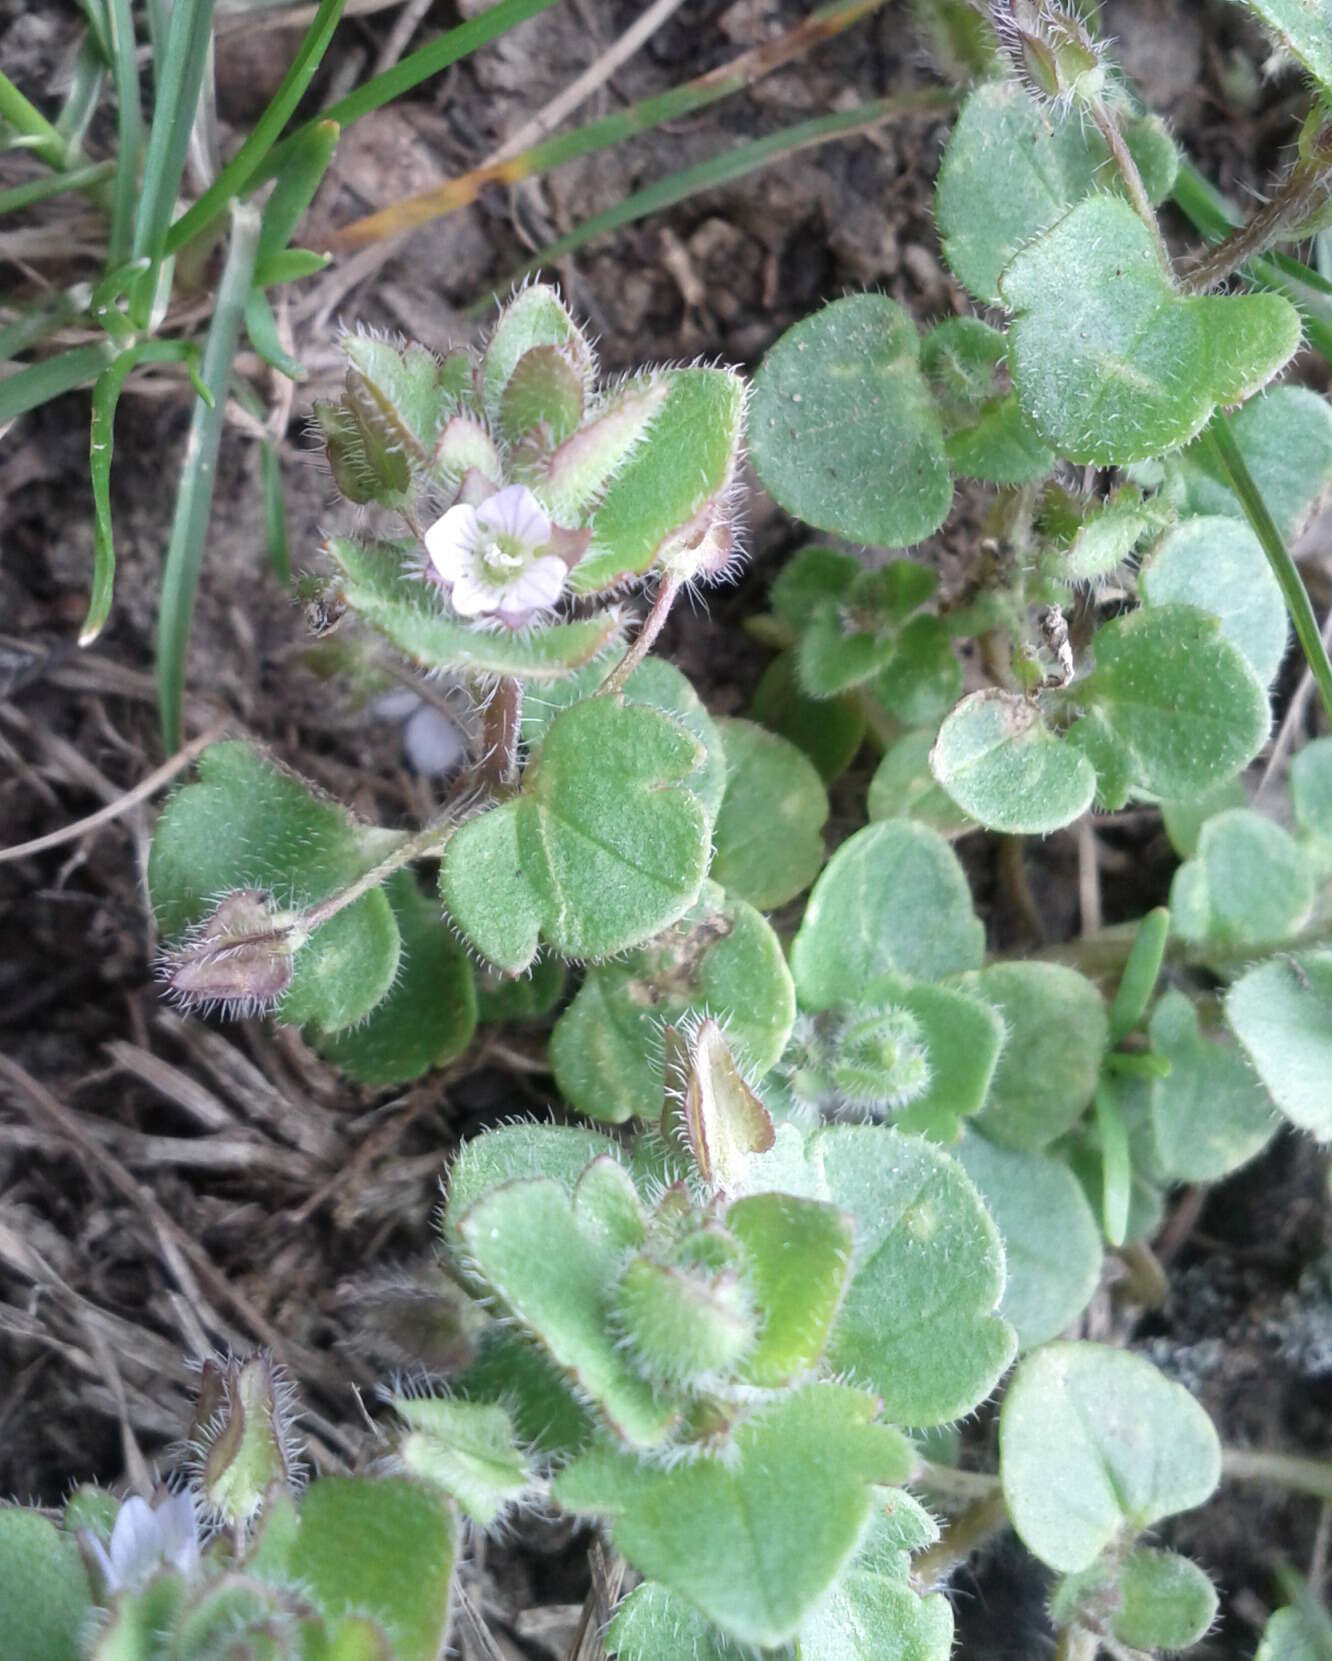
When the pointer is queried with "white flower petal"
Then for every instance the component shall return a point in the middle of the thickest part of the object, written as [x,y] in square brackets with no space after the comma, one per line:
[178,1528]
[536,588]
[471,597]
[515,511]
[451,540]
[105,1566]
[136,1541]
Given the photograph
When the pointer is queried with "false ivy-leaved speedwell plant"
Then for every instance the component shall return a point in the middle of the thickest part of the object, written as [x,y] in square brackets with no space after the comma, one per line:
[845,1168]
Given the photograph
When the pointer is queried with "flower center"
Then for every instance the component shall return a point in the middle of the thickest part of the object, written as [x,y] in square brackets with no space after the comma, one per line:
[501,555]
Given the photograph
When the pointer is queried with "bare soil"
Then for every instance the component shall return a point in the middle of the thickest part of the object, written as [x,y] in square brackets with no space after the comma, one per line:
[169,1187]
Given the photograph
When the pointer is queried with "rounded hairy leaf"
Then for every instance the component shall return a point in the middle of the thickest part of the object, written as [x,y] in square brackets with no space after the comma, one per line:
[535,317]
[513,1153]
[1218,565]
[1288,1636]
[653,1624]
[1285,438]
[1311,788]
[893,899]
[828,730]
[756,1533]
[1012,167]
[918,1322]
[659,685]
[44,1593]
[903,787]
[797,1253]
[988,435]
[843,430]
[1001,764]
[610,839]
[1304,28]
[1178,698]
[429,1014]
[1248,884]
[1281,1012]
[961,1036]
[1110,362]
[1168,1602]
[466,1448]
[767,841]
[721,958]
[1093,1441]
[248,823]
[382,1547]
[1052,1241]
[1056,1033]
[486,890]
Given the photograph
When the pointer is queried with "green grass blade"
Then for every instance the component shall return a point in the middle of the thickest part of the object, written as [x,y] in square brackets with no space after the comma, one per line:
[85,90]
[431,59]
[106,393]
[38,383]
[175,100]
[1284,569]
[129,131]
[724,169]
[724,82]
[36,322]
[189,527]
[28,120]
[275,514]
[54,184]
[1116,1171]
[302,172]
[261,327]
[236,175]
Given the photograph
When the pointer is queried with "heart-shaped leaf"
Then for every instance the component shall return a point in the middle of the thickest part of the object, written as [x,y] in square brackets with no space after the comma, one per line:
[429,1014]
[1012,167]
[843,430]
[754,1534]
[893,899]
[829,731]
[1111,363]
[903,787]
[247,823]
[918,1323]
[767,841]
[1056,1033]
[722,958]
[1180,702]
[382,1547]
[1001,764]
[1218,565]
[377,582]
[1094,1441]
[515,1153]
[1052,1241]
[1281,1012]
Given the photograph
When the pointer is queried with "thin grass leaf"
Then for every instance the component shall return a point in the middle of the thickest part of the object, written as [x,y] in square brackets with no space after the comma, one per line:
[275,514]
[723,82]
[724,169]
[106,393]
[418,66]
[1284,569]
[29,121]
[85,91]
[38,383]
[54,184]
[237,174]
[300,177]
[175,101]
[95,13]
[35,323]
[194,499]
[1116,1171]
[290,265]
[129,130]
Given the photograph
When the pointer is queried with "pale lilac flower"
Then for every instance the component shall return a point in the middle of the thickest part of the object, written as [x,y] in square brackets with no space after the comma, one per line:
[496,558]
[146,1537]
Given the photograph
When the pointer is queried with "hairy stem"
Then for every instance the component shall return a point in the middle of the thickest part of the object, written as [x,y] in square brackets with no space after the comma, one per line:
[1228,453]
[653,624]
[981,1520]
[1303,190]
[1281,1470]
[420,845]
[501,730]
[1127,169]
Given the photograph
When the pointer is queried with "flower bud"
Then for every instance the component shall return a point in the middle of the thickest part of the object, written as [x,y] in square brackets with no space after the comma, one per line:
[241,1439]
[881,1061]
[711,1114]
[1050,48]
[239,959]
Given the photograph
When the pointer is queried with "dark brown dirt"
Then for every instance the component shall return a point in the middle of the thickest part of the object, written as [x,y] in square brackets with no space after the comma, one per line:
[167,1187]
